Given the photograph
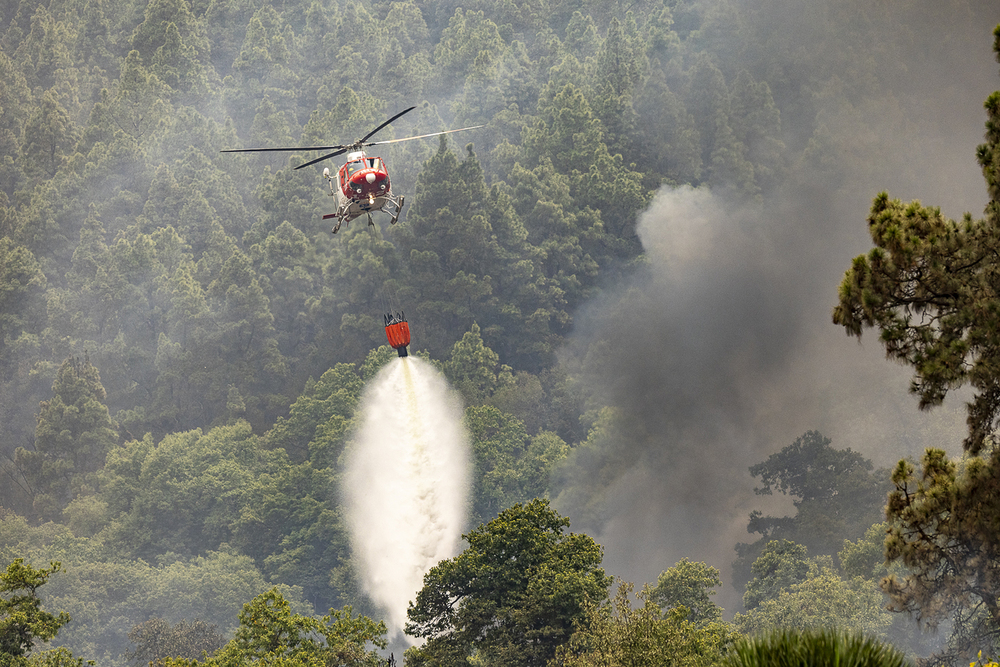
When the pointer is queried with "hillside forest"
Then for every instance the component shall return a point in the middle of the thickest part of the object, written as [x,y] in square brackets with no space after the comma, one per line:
[626,273]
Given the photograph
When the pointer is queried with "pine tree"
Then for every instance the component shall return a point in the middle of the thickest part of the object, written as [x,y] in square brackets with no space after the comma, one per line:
[72,437]
[620,69]
[931,286]
[943,529]
[167,23]
[15,100]
[49,138]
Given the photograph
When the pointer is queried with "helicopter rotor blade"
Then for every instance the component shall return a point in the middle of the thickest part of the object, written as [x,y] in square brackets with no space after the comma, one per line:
[288,149]
[342,150]
[423,136]
[370,134]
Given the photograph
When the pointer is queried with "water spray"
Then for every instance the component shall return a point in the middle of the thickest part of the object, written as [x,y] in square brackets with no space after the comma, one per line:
[407,482]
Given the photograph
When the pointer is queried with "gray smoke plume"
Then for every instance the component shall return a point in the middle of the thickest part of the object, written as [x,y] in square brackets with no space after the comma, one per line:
[721,350]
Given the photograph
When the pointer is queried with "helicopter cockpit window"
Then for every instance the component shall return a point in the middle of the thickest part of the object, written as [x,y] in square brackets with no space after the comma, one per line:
[355,166]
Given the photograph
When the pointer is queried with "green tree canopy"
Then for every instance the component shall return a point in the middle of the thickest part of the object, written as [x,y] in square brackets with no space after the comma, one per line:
[618,634]
[512,596]
[327,405]
[865,557]
[19,273]
[156,640]
[782,564]
[187,493]
[690,585]
[49,138]
[943,529]
[837,494]
[472,368]
[163,17]
[271,634]
[22,621]
[72,438]
[808,469]
[821,599]
[510,467]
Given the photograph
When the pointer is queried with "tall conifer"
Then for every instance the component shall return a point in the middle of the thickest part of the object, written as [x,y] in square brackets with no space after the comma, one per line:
[73,435]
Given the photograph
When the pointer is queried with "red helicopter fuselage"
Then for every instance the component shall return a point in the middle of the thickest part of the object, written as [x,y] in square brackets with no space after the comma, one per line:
[362,186]
[364,177]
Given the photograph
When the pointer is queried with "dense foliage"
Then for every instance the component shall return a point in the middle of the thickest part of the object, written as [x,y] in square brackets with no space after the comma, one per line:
[620,634]
[513,596]
[271,634]
[930,287]
[156,640]
[23,623]
[815,647]
[837,495]
[943,530]
[183,343]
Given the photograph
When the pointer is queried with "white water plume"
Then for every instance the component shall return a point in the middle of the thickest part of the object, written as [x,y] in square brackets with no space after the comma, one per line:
[407,482]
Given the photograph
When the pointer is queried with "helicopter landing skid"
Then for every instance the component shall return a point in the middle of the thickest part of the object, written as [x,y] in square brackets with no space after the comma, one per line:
[398,204]
[393,206]
[340,219]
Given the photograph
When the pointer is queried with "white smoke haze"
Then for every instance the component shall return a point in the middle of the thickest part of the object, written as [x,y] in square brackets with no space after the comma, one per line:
[406,486]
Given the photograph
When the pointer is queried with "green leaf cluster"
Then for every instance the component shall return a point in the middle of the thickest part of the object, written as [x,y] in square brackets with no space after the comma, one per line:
[942,530]
[622,632]
[785,596]
[690,585]
[271,634]
[512,596]
[22,621]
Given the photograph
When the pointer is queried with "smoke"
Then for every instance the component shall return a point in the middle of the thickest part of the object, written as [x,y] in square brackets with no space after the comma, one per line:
[718,354]
[407,482]
[721,351]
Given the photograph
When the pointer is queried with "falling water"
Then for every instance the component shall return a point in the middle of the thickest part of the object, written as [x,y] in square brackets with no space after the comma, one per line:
[407,482]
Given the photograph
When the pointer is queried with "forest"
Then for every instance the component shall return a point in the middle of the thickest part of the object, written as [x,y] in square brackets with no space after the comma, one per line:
[626,273]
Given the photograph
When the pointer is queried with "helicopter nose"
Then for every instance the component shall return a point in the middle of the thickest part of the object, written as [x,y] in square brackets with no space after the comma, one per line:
[370,178]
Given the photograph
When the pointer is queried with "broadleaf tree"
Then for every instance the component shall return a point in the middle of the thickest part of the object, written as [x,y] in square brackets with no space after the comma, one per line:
[690,585]
[512,597]
[23,623]
[270,633]
[822,599]
[837,493]
[623,634]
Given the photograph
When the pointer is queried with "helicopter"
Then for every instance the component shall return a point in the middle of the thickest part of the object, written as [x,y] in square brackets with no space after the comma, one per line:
[361,185]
